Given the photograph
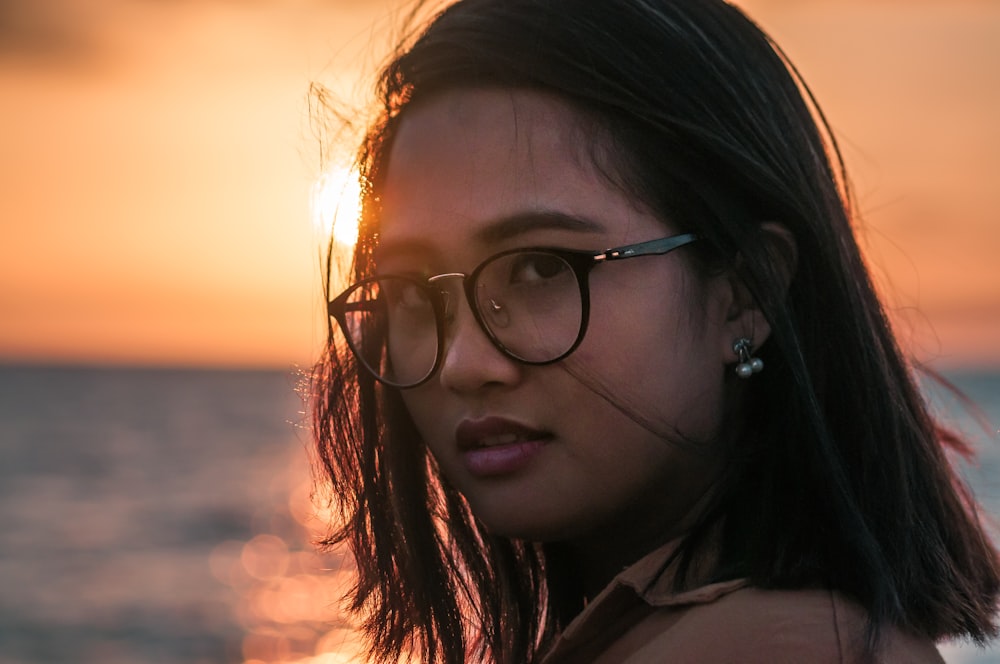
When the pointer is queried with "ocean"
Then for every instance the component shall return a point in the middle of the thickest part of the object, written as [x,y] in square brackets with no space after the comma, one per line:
[164,517]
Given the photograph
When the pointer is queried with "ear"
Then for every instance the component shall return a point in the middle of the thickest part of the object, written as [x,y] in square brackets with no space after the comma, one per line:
[744,318]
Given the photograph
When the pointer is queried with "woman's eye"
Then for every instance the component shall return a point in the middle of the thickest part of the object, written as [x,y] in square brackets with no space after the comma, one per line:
[405,294]
[537,267]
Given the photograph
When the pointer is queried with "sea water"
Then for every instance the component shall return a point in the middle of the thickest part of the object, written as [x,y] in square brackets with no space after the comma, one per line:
[154,516]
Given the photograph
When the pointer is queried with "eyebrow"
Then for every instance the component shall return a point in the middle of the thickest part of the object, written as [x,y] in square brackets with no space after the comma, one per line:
[521,223]
[499,230]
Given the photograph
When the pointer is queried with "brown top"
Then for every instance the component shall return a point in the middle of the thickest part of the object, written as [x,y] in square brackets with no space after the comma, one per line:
[639,619]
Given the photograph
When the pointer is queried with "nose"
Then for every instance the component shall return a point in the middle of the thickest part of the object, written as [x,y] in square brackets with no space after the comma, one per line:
[471,361]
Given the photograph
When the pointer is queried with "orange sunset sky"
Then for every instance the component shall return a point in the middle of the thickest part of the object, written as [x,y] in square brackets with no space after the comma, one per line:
[156,164]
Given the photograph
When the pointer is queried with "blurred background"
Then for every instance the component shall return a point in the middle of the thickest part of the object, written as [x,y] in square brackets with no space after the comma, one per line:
[163,210]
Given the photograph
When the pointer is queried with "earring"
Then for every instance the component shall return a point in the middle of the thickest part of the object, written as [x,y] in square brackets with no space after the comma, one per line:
[748,365]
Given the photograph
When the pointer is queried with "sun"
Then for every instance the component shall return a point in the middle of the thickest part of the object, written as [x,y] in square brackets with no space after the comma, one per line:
[335,203]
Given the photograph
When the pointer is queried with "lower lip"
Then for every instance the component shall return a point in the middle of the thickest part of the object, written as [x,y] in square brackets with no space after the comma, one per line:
[501,459]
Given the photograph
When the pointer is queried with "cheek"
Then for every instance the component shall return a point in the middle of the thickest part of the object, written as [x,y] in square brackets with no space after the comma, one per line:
[420,404]
[658,366]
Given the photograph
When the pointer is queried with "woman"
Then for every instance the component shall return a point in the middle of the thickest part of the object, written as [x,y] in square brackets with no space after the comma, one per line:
[617,386]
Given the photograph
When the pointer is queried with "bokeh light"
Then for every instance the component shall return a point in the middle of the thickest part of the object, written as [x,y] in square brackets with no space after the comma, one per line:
[285,592]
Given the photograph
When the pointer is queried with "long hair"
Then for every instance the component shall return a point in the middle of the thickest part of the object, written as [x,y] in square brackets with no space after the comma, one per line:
[839,476]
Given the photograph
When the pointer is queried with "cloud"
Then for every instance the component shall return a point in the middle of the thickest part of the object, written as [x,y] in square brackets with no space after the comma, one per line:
[52,31]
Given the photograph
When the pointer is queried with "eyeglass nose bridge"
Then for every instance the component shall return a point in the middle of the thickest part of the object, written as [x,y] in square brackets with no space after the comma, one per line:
[446,295]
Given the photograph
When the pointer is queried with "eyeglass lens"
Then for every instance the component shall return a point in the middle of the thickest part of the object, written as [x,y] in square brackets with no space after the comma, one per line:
[531,304]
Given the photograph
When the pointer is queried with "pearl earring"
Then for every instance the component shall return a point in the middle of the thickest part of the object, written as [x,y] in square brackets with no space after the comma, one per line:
[748,365]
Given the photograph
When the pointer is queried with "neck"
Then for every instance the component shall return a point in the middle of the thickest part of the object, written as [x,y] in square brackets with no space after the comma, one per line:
[601,556]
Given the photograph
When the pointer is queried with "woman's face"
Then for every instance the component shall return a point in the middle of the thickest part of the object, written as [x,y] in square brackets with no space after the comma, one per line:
[616,442]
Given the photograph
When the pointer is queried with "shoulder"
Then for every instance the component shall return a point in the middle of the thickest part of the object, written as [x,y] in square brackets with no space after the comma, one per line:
[752,626]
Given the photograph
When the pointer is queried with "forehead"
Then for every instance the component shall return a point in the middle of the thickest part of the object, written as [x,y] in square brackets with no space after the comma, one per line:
[491,124]
[463,160]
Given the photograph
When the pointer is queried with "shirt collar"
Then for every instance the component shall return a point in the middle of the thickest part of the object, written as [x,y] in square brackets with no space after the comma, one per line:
[638,590]
[653,577]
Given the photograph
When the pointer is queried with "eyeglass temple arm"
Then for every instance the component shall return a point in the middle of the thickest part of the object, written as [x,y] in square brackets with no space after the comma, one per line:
[650,248]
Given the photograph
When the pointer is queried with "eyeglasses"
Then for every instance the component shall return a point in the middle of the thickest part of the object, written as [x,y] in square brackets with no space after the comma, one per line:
[533,304]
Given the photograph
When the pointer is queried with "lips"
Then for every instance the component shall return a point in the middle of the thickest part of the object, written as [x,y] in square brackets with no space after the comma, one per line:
[495,446]
[493,432]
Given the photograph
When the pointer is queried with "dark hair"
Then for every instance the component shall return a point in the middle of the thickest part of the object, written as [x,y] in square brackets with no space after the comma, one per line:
[840,477]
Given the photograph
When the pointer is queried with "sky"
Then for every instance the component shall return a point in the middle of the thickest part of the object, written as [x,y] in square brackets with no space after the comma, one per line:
[157,163]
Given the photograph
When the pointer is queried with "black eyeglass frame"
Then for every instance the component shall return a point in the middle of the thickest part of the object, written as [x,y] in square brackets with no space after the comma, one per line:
[581,262]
